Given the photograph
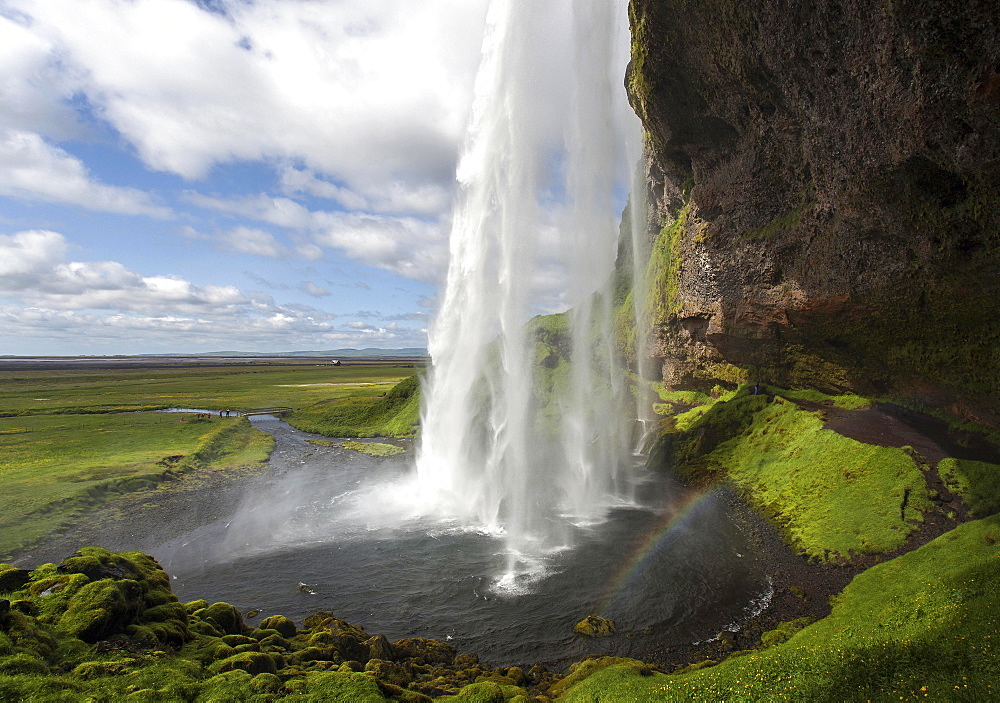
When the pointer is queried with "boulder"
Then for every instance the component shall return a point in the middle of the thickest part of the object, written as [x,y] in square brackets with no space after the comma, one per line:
[284,626]
[379,648]
[12,579]
[225,616]
[595,626]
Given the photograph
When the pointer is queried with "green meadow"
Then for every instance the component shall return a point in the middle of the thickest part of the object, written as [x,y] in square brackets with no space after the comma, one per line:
[73,439]
[251,385]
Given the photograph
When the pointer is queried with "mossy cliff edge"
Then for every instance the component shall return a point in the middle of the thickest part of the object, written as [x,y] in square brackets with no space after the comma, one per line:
[826,177]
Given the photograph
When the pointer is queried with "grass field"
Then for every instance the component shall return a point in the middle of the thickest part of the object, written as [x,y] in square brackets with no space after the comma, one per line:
[72,439]
[295,385]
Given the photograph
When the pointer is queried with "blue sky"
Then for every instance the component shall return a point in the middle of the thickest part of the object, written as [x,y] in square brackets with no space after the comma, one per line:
[259,175]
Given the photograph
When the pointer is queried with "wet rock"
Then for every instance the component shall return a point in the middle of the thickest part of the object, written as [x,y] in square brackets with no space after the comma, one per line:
[595,626]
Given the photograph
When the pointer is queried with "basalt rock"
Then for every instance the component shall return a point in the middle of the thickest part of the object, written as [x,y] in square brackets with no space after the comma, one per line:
[827,183]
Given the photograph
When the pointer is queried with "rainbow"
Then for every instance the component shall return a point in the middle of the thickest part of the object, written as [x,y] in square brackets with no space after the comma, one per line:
[664,528]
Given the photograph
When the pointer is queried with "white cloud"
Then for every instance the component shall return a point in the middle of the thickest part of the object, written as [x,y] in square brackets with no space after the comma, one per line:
[34,269]
[410,246]
[253,241]
[314,290]
[81,305]
[32,169]
[368,93]
[34,85]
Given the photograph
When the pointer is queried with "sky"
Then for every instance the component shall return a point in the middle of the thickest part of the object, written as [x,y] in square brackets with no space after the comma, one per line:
[251,175]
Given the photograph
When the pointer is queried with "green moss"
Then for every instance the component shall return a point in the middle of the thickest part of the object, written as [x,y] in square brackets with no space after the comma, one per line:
[663,271]
[781,223]
[920,626]
[783,632]
[102,609]
[340,686]
[978,482]
[831,495]
[374,448]
[847,401]
[395,413]
[488,692]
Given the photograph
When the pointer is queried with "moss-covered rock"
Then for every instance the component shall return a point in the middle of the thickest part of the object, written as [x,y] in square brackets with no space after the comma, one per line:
[223,616]
[284,626]
[102,609]
[388,671]
[595,626]
[13,579]
[251,662]
[425,651]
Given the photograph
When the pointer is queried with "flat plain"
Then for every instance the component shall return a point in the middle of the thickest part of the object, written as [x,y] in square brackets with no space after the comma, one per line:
[76,433]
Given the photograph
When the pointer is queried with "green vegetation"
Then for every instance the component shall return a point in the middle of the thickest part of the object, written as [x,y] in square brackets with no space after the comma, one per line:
[978,482]
[847,401]
[663,269]
[103,626]
[374,448]
[833,496]
[920,626]
[56,467]
[366,412]
[250,385]
[67,444]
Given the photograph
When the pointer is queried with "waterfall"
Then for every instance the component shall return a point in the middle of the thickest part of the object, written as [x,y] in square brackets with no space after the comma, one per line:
[510,446]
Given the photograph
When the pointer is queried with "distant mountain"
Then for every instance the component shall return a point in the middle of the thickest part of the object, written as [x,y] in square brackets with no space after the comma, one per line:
[341,353]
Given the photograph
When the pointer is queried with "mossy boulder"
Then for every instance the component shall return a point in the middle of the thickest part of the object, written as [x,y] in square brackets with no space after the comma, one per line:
[379,648]
[595,626]
[783,632]
[98,669]
[426,651]
[341,686]
[13,579]
[224,617]
[284,626]
[23,663]
[389,672]
[96,564]
[267,683]
[102,609]
[251,662]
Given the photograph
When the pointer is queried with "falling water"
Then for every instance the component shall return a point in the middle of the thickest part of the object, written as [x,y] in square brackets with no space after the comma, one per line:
[490,457]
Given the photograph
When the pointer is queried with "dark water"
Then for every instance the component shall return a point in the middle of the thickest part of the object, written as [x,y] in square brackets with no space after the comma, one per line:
[669,567]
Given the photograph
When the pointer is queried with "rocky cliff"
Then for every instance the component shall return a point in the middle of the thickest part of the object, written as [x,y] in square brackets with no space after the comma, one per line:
[824,181]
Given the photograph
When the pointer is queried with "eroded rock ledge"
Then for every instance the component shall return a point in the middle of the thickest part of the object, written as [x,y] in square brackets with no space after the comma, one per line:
[831,174]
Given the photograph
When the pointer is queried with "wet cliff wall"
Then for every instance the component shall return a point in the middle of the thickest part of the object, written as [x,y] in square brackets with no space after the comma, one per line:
[824,187]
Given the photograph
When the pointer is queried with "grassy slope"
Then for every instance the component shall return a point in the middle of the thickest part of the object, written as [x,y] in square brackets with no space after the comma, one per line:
[832,495]
[922,625]
[53,467]
[368,412]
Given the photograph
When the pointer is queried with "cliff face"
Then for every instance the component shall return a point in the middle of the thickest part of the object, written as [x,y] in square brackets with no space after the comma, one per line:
[827,176]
